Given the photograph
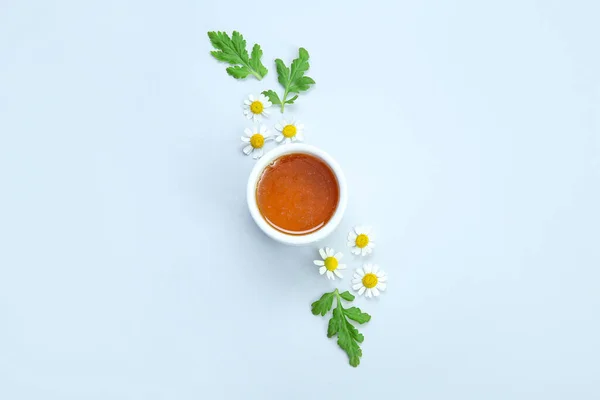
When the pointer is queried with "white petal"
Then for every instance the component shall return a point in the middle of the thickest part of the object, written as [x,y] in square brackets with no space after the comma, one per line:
[371,244]
[265,113]
[245,139]
[350,244]
[322,253]
[358,230]
[375,292]
[356,280]
[367,230]
[258,153]
[247,150]
[287,140]
[337,272]
[278,127]
[262,98]
[279,138]
[322,270]
[247,102]
[381,286]
[364,251]
[368,294]
[375,268]
[248,132]
[368,268]
[251,97]
[341,266]
[329,251]
[361,291]
[352,236]
[299,136]
[299,126]
[338,256]
[249,115]
[330,275]
[360,272]
[355,251]
[382,279]
[319,262]
[372,237]
[357,286]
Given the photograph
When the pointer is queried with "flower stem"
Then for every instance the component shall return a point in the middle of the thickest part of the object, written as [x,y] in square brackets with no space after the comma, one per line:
[285,93]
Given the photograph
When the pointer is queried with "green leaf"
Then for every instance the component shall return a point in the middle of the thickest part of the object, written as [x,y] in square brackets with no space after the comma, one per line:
[323,305]
[349,337]
[292,79]
[238,72]
[233,52]
[347,296]
[273,97]
[355,314]
[290,101]
[283,73]
[333,327]
[255,60]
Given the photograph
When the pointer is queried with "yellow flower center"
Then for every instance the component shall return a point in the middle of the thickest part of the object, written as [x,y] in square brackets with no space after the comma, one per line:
[362,241]
[370,280]
[289,131]
[257,141]
[256,107]
[331,263]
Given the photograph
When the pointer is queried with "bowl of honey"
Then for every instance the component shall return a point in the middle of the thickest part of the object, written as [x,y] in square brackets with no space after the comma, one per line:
[297,194]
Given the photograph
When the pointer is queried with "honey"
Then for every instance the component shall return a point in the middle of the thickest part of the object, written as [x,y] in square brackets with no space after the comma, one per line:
[297,194]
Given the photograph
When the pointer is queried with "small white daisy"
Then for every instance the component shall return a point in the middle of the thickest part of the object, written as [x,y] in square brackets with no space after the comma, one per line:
[330,263]
[255,140]
[290,132]
[369,280]
[256,106]
[361,240]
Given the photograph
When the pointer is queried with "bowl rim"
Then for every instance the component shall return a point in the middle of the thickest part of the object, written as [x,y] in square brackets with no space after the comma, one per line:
[256,173]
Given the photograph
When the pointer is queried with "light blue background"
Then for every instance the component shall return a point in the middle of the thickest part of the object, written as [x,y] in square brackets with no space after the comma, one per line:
[130,268]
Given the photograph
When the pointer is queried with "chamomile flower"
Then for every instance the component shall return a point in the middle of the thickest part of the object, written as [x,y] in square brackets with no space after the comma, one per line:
[255,140]
[290,132]
[330,263]
[369,280]
[254,107]
[360,240]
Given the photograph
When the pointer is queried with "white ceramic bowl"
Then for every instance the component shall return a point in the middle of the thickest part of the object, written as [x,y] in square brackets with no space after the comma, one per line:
[256,173]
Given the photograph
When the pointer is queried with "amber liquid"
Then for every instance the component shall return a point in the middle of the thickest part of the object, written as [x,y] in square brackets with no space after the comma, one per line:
[297,194]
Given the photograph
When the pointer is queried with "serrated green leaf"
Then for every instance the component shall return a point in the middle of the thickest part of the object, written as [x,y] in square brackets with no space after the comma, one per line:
[233,51]
[292,79]
[283,73]
[238,72]
[333,327]
[349,337]
[323,305]
[355,314]
[255,60]
[273,97]
[291,101]
[299,66]
[347,296]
